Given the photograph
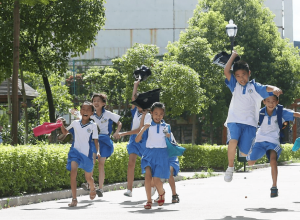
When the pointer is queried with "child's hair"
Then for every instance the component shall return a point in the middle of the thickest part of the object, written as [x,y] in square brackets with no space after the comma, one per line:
[277,98]
[89,104]
[102,96]
[157,105]
[240,65]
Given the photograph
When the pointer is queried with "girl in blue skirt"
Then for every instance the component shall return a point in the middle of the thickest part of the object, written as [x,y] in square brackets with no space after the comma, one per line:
[155,160]
[104,119]
[139,119]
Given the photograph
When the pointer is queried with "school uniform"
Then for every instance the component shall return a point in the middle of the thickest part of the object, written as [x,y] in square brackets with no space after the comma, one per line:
[104,123]
[243,113]
[132,146]
[268,135]
[81,150]
[156,155]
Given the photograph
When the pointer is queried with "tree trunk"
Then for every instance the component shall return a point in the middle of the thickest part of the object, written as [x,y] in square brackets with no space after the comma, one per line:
[15,106]
[51,106]
[9,100]
[24,106]
[211,126]
[194,128]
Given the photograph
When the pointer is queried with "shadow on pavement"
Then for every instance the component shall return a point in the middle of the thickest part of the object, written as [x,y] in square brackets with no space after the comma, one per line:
[264,210]
[77,207]
[152,211]
[133,203]
[237,218]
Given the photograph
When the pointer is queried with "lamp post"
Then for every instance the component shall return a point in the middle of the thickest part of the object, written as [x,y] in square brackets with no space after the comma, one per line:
[231,30]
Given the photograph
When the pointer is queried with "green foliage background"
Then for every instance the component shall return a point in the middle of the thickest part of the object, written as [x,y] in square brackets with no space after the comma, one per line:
[40,168]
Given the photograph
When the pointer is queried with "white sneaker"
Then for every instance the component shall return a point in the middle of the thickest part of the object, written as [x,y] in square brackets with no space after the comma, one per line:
[99,192]
[153,190]
[228,174]
[85,186]
[128,193]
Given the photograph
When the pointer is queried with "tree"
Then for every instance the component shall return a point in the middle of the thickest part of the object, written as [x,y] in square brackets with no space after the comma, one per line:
[272,60]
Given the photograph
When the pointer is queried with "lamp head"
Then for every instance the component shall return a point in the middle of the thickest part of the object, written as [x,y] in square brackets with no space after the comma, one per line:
[231,29]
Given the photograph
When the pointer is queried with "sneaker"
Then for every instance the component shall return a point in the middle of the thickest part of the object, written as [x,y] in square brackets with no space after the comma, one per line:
[85,186]
[128,193]
[175,198]
[153,190]
[274,192]
[99,192]
[228,174]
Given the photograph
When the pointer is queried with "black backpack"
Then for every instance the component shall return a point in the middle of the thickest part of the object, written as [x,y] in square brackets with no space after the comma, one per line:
[281,125]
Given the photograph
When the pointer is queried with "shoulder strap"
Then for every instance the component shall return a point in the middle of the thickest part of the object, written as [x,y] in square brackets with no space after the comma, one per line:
[279,115]
[262,114]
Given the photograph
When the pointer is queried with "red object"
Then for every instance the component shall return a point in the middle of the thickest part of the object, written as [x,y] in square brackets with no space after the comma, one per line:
[46,128]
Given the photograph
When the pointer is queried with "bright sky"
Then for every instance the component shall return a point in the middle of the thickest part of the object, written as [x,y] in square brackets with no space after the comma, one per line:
[296,15]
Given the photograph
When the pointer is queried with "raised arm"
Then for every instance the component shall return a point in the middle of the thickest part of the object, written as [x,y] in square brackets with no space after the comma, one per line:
[134,92]
[297,114]
[276,91]
[63,129]
[227,68]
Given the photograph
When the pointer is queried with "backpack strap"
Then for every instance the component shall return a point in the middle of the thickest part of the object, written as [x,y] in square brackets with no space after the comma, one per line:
[279,115]
[262,114]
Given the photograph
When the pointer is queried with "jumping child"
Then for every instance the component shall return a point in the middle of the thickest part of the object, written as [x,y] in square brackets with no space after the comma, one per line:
[268,137]
[81,152]
[244,108]
[139,119]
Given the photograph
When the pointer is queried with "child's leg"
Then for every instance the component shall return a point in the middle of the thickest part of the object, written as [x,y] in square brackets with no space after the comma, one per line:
[159,187]
[101,171]
[231,152]
[172,181]
[130,170]
[148,178]
[274,170]
[73,175]
[89,178]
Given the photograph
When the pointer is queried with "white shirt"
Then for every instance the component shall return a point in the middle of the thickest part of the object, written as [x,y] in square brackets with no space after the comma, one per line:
[105,121]
[82,135]
[269,129]
[136,118]
[245,102]
[156,138]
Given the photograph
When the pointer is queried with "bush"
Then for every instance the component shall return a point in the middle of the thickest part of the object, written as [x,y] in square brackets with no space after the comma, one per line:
[40,168]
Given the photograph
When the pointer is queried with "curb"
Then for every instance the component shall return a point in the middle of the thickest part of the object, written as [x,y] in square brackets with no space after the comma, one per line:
[64,194]
[265,165]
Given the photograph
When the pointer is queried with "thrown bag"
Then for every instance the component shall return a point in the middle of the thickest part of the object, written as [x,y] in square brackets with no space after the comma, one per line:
[46,128]
[296,144]
[174,150]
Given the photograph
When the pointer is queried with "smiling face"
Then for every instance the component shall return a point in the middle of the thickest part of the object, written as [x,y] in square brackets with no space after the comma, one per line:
[86,111]
[98,102]
[157,115]
[271,102]
[242,76]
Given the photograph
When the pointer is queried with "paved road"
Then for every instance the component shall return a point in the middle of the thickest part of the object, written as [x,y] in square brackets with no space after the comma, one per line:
[209,199]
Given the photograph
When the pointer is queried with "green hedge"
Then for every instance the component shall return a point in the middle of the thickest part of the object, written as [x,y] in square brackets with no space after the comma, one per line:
[40,168]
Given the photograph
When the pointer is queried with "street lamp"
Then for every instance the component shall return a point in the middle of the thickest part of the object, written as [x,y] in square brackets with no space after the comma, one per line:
[231,30]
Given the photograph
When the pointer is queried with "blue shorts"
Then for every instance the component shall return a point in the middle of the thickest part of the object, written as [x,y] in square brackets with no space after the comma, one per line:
[244,134]
[174,162]
[259,149]
[106,145]
[136,148]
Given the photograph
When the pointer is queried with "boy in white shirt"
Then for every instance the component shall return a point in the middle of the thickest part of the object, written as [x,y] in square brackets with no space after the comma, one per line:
[244,109]
[268,136]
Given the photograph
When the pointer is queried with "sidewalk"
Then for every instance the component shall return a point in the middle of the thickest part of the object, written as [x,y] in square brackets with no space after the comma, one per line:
[247,197]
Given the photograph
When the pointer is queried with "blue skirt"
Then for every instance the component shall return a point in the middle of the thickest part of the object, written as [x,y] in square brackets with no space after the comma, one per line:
[174,162]
[83,161]
[106,145]
[136,148]
[158,160]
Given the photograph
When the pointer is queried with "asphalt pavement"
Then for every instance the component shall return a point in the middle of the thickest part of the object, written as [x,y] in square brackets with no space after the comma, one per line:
[247,197]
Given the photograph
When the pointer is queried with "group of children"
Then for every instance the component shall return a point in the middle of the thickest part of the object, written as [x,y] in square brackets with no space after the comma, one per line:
[243,117]
[149,132]
[147,140]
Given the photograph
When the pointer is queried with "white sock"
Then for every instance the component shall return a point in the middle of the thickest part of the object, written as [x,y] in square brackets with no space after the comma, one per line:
[230,168]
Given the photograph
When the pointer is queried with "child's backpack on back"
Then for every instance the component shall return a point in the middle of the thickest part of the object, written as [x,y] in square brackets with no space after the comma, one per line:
[281,125]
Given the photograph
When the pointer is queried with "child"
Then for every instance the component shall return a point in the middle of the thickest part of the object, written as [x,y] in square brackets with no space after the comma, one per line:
[104,119]
[268,138]
[155,160]
[80,154]
[174,169]
[139,118]
[244,108]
